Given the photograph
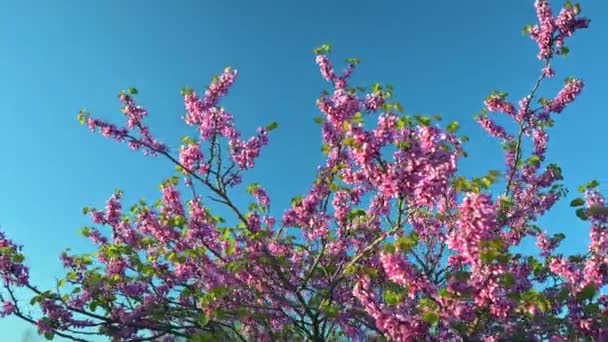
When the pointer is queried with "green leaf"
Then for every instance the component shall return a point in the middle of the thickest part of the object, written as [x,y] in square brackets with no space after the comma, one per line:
[559,237]
[389,248]
[577,202]
[49,336]
[576,258]
[508,279]
[399,107]
[296,200]
[350,270]
[462,184]
[487,256]
[35,300]
[593,309]
[392,297]
[225,235]
[188,140]
[329,310]
[588,292]
[319,119]
[544,305]
[506,202]
[563,294]
[430,317]
[325,148]
[444,292]
[358,118]
[353,61]
[403,122]
[82,117]
[534,160]
[486,182]
[322,50]
[251,188]
[544,101]
[453,126]
[405,243]
[356,213]
[132,91]
[203,319]
[423,120]
[271,126]
[426,303]
[253,206]
[72,276]
[580,213]
[231,247]
[18,258]
[186,91]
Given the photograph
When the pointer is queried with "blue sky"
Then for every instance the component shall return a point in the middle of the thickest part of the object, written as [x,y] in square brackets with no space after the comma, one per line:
[443,57]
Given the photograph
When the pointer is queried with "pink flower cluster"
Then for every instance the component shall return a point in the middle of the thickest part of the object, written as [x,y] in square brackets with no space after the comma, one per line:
[12,269]
[390,241]
[551,31]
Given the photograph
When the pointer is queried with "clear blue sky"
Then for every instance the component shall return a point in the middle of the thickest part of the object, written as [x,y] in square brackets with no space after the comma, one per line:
[442,57]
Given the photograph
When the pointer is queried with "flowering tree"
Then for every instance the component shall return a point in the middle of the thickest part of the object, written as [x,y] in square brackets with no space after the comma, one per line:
[389,243]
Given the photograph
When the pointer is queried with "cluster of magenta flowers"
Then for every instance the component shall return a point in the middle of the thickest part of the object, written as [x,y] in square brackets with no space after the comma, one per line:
[389,241]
